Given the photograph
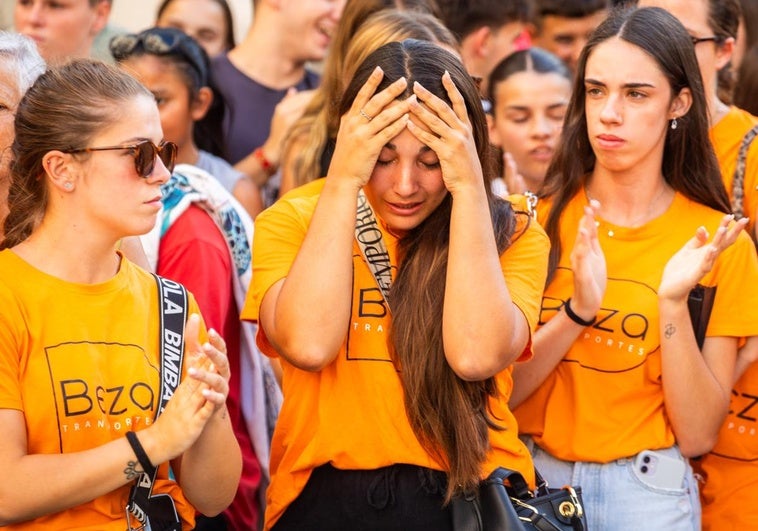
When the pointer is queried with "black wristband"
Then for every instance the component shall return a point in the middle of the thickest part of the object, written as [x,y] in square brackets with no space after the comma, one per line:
[574,317]
[144,461]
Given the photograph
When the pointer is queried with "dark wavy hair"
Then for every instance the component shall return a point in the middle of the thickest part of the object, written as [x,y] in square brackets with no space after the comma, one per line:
[448,415]
[689,163]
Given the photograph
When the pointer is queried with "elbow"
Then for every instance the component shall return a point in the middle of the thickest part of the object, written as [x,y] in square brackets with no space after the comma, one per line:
[308,355]
[473,368]
[695,446]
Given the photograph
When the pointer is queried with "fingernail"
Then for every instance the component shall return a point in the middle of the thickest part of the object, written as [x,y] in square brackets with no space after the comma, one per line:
[192,371]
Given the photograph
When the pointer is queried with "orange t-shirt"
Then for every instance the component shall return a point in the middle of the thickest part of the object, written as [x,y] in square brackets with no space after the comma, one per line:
[351,413]
[730,470]
[726,137]
[604,400]
[81,361]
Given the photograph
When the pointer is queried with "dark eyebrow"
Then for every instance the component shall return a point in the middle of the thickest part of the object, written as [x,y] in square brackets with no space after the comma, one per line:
[393,147]
[626,85]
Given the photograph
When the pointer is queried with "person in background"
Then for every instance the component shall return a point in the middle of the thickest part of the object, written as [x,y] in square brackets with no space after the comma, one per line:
[746,87]
[747,32]
[175,68]
[80,182]
[562,27]
[62,30]
[412,150]
[637,216]
[525,124]
[20,65]
[712,26]
[209,22]
[265,82]
[488,31]
[308,150]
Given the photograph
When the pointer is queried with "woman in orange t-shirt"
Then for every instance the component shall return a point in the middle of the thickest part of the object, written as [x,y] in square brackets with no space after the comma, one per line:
[395,382]
[619,393]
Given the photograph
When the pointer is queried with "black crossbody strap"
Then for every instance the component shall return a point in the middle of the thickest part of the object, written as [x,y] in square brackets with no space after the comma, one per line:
[172,297]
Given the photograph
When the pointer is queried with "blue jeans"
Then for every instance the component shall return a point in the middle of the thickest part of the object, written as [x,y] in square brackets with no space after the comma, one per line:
[616,498]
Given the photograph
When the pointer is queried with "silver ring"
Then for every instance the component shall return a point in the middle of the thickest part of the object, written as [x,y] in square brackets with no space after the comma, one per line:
[366,116]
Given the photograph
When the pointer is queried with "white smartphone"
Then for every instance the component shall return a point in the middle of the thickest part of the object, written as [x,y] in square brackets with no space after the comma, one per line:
[659,470]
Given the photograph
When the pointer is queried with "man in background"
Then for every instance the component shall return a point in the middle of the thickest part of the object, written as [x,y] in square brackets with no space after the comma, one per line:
[63,30]
[564,26]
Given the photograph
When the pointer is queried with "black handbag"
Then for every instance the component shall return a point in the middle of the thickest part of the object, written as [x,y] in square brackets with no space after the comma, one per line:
[500,507]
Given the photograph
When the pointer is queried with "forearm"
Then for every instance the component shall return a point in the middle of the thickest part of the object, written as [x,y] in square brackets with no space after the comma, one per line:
[696,395]
[44,484]
[550,344]
[483,331]
[210,469]
[312,310]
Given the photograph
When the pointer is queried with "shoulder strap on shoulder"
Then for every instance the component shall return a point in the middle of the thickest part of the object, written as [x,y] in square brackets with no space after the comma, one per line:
[738,179]
[173,312]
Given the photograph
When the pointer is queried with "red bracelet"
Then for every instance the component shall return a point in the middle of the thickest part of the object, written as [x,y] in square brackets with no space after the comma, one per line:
[264,162]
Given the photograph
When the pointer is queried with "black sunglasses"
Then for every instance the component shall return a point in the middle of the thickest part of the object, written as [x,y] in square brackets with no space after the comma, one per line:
[698,40]
[144,154]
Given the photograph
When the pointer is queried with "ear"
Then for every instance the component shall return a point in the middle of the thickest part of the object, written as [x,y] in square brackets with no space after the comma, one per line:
[476,43]
[61,169]
[681,104]
[724,53]
[102,10]
[202,102]
[494,135]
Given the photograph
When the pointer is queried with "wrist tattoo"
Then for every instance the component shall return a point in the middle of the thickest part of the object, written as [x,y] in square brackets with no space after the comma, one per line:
[669,330]
[131,470]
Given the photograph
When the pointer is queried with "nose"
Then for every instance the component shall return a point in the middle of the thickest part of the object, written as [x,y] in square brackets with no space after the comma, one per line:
[160,174]
[577,51]
[30,14]
[405,183]
[542,127]
[611,111]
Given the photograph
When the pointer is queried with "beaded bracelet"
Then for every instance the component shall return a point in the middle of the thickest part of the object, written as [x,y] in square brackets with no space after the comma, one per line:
[574,317]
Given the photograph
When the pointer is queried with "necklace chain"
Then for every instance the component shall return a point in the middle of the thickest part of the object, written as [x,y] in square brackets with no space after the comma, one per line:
[639,220]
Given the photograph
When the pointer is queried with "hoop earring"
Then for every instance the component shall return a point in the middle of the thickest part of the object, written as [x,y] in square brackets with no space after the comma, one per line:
[674,124]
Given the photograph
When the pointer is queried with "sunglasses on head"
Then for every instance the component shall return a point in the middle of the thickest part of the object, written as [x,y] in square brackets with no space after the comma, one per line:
[161,41]
[144,154]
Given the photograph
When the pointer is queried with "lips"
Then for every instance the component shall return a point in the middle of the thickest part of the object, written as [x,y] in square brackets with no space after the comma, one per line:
[542,153]
[609,141]
[404,209]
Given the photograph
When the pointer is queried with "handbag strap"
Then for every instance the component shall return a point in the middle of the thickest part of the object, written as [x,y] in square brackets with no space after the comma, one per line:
[173,314]
[738,178]
[372,246]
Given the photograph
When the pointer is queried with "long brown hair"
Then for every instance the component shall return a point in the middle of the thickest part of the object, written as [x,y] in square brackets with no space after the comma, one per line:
[448,415]
[360,32]
[689,163]
[64,109]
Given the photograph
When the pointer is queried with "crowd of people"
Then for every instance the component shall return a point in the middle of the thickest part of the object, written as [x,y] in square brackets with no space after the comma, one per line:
[334,274]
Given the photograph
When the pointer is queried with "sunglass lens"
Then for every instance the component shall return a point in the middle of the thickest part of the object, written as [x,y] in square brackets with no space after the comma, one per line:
[167,153]
[144,158]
